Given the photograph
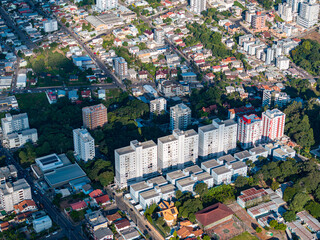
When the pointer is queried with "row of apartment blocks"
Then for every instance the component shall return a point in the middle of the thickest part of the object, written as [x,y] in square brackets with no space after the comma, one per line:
[16,130]
[160,188]
[183,148]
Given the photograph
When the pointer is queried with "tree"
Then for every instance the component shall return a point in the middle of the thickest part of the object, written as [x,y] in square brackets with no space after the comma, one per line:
[289,216]
[241,182]
[288,193]
[274,185]
[201,188]
[313,208]
[258,230]
[298,202]
[273,223]
[106,178]
[125,44]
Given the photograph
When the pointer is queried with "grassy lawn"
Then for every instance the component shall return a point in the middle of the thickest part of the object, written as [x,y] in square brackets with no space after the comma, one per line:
[244,236]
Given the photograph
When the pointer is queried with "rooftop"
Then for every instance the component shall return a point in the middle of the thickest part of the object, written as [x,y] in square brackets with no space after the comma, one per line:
[258,150]
[227,158]
[238,164]
[221,170]
[139,186]
[167,188]
[210,164]
[186,182]
[149,194]
[157,181]
[213,214]
[242,155]
[176,175]
[193,169]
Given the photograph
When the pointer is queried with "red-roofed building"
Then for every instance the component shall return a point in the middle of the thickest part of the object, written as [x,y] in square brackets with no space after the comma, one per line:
[210,108]
[25,206]
[78,206]
[86,94]
[102,200]
[4,226]
[252,196]
[122,224]
[215,214]
[95,193]
[228,60]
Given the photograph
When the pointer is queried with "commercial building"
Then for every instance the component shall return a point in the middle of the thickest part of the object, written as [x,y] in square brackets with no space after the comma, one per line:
[50,25]
[42,223]
[273,122]
[197,6]
[95,221]
[180,117]
[214,215]
[14,193]
[120,67]
[217,138]
[252,196]
[308,14]
[135,162]
[177,150]
[14,123]
[83,143]
[249,131]
[158,105]
[94,116]
[103,5]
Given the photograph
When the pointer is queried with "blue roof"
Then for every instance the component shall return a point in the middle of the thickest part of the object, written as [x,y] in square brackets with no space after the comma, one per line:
[188,74]
[73,94]
[82,58]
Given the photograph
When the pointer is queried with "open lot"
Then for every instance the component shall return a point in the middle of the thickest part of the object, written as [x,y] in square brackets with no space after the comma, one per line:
[244,236]
[313,36]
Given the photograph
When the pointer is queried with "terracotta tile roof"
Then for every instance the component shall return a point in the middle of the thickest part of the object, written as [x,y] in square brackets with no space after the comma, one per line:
[95,193]
[78,205]
[102,199]
[213,214]
[185,223]
[121,224]
[114,217]
[184,232]
[24,204]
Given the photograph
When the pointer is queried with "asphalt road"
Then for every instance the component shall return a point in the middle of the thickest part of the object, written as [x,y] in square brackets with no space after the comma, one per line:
[73,232]
[135,216]
[12,24]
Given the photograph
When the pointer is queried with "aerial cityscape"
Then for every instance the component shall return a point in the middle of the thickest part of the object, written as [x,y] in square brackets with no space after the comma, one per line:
[160,119]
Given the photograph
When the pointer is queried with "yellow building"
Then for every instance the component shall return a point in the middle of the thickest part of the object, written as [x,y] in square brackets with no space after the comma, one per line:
[169,212]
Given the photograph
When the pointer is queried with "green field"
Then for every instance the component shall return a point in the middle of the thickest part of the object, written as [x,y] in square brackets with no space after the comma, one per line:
[244,236]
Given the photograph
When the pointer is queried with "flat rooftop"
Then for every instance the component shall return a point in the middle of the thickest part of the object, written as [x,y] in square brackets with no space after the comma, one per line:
[193,169]
[203,176]
[124,150]
[176,175]
[46,160]
[64,174]
[167,188]
[149,194]
[258,150]
[207,128]
[139,186]
[186,182]
[157,181]
[238,164]
[167,139]
[227,158]
[221,170]
[210,164]
[242,155]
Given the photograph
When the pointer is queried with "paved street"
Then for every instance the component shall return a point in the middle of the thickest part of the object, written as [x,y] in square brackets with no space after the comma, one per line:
[71,231]
[135,216]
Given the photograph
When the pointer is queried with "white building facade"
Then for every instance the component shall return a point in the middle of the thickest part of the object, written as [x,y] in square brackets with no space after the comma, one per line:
[217,139]
[197,6]
[50,25]
[135,162]
[180,117]
[83,143]
[158,105]
[273,124]
[103,5]
[308,14]
[249,131]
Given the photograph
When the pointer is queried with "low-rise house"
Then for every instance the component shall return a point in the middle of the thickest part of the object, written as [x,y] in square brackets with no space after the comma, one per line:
[185,184]
[252,196]
[221,175]
[130,233]
[169,212]
[258,152]
[95,220]
[113,217]
[25,206]
[102,234]
[78,206]
[102,200]
[122,224]
[42,223]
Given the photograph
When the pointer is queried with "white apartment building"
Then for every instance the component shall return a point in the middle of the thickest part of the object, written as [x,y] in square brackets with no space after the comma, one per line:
[273,122]
[217,138]
[281,99]
[266,98]
[177,150]
[50,25]
[282,62]
[159,35]
[308,14]
[158,105]
[120,67]
[14,123]
[14,193]
[135,162]
[180,117]
[285,12]
[249,131]
[197,6]
[103,5]
[18,139]
[83,144]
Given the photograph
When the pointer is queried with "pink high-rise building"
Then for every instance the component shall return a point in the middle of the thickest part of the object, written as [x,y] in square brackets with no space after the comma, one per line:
[249,130]
[273,124]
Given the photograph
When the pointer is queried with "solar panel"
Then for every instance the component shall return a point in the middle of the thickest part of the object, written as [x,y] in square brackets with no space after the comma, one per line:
[49,160]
